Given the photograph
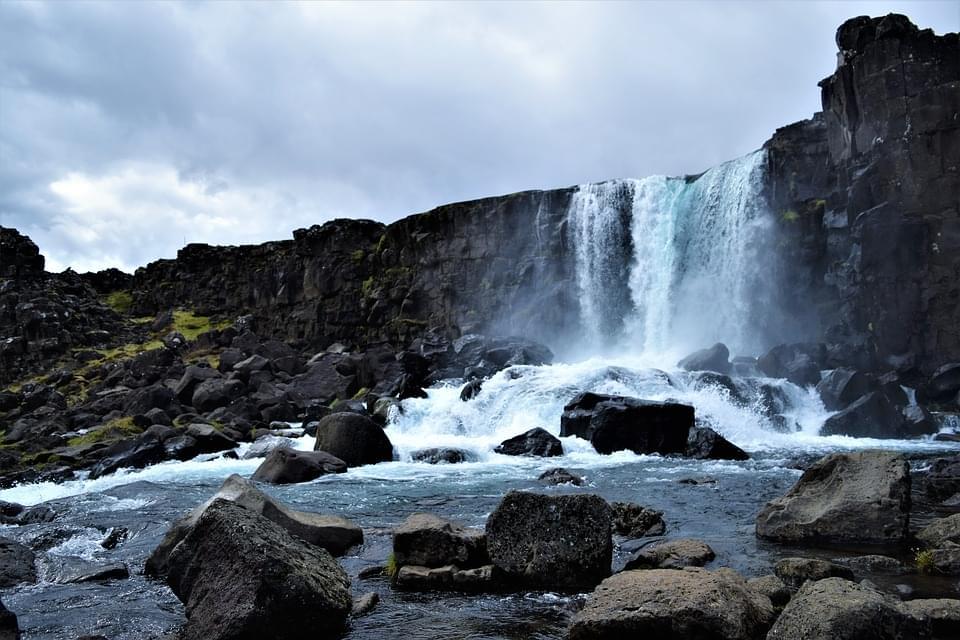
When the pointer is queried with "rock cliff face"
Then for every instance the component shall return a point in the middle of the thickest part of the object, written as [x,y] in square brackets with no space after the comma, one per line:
[868,191]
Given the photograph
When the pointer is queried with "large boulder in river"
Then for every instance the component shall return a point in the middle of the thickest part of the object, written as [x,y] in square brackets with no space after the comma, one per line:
[715,358]
[872,416]
[861,497]
[242,576]
[426,540]
[333,533]
[671,603]
[841,387]
[703,443]
[617,423]
[551,542]
[355,439]
[535,442]
[289,466]
[672,554]
[799,363]
[837,609]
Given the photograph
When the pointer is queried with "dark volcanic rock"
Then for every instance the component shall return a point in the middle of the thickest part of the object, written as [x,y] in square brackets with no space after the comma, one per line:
[241,576]
[944,383]
[795,571]
[634,521]
[704,443]
[872,416]
[355,439]
[551,542]
[443,455]
[287,466]
[943,478]
[9,627]
[615,423]
[799,363]
[843,498]
[560,476]
[672,554]
[426,540]
[17,564]
[715,358]
[840,387]
[536,442]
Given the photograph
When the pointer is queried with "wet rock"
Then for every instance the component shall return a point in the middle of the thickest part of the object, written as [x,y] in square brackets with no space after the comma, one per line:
[634,521]
[617,423]
[943,478]
[872,564]
[68,570]
[471,389]
[362,605]
[535,442]
[115,537]
[560,476]
[266,444]
[799,363]
[859,497]
[9,626]
[940,615]
[17,564]
[444,455]
[208,439]
[242,576]
[841,387]
[134,453]
[796,571]
[448,578]
[703,443]
[944,384]
[9,512]
[672,554]
[838,609]
[288,466]
[551,542]
[430,541]
[355,439]
[216,392]
[772,587]
[333,533]
[193,376]
[942,532]
[667,603]
[715,358]
[872,416]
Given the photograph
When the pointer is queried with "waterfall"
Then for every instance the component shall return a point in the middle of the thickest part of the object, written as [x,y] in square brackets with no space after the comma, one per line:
[669,263]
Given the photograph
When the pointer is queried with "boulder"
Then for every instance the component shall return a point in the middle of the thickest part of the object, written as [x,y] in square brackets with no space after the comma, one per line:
[289,466]
[215,392]
[333,533]
[449,578]
[362,605]
[943,478]
[872,416]
[208,438]
[861,497]
[266,444]
[672,554]
[940,615]
[772,587]
[840,387]
[796,571]
[837,609]
[942,532]
[715,358]
[242,576]
[9,626]
[616,423]
[77,570]
[442,455]
[944,384]
[17,564]
[703,443]
[427,540]
[535,442]
[669,603]
[634,521]
[799,363]
[471,389]
[355,439]
[135,453]
[560,475]
[551,542]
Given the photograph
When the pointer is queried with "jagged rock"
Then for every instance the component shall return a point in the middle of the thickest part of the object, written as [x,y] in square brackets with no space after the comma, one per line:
[772,587]
[17,564]
[441,455]
[715,358]
[634,521]
[842,610]
[796,571]
[799,363]
[333,533]
[672,554]
[551,542]
[287,466]
[9,626]
[535,442]
[560,476]
[242,576]
[427,540]
[841,387]
[355,439]
[615,423]
[668,603]
[859,497]
[703,443]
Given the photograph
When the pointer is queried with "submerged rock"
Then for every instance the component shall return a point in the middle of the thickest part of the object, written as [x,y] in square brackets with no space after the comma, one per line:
[704,443]
[859,497]
[669,603]
[288,466]
[560,476]
[430,541]
[535,442]
[672,554]
[442,455]
[242,576]
[796,571]
[551,542]
[617,423]
[355,439]
[634,521]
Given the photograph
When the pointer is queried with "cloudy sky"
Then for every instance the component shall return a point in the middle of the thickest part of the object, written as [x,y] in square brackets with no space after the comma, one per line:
[129,128]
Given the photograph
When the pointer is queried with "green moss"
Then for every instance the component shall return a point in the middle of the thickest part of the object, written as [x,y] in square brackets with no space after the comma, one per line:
[367,287]
[113,430]
[359,395]
[119,301]
[391,568]
[192,325]
[789,216]
[358,255]
[819,203]
[380,243]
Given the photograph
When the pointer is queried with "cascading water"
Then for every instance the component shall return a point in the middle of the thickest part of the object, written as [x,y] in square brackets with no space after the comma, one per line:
[666,264]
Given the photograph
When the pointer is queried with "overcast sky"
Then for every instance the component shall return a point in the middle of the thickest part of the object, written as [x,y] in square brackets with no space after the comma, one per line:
[128,128]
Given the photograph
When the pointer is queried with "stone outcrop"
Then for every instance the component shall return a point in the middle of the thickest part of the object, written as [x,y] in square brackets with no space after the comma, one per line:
[859,497]
[355,439]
